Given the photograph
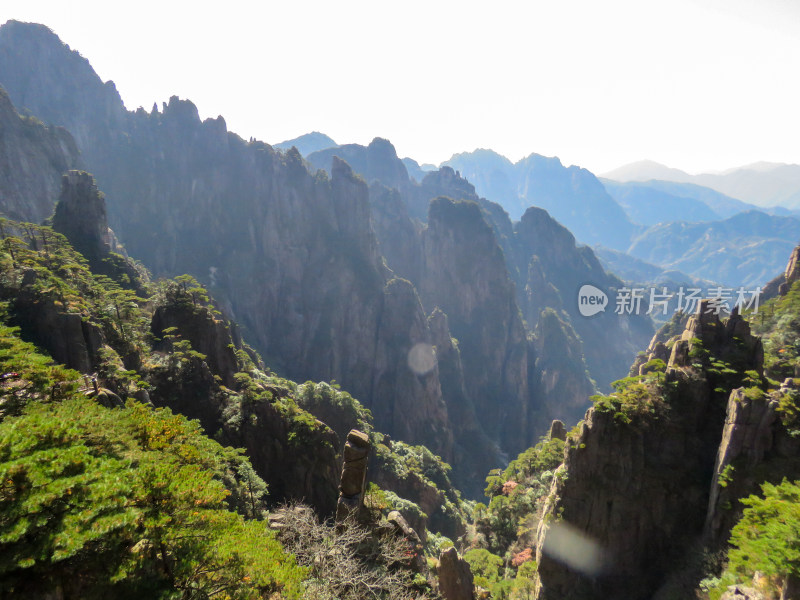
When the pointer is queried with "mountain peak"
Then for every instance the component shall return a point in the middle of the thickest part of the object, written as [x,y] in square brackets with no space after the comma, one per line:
[645,170]
[32,31]
[39,71]
[539,160]
[308,143]
[481,154]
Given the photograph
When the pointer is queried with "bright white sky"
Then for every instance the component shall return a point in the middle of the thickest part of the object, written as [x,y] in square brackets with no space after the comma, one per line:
[694,84]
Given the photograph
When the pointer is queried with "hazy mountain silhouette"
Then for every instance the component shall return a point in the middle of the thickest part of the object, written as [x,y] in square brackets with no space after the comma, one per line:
[746,249]
[308,143]
[416,170]
[763,184]
[572,195]
[644,170]
[648,206]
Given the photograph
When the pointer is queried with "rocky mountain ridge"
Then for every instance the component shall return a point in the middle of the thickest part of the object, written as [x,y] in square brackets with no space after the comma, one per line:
[293,259]
[573,196]
[293,256]
[655,472]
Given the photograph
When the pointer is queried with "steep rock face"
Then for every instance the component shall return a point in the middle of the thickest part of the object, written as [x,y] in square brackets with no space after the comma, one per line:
[81,216]
[538,247]
[288,254]
[637,479]
[781,284]
[294,469]
[92,325]
[563,391]
[632,490]
[562,384]
[756,446]
[400,239]
[729,340]
[296,462]
[563,263]
[556,269]
[482,320]
[792,273]
[405,367]
[376,162]
[64,91]
[209,336]
[432,499]
[398,235]
[474,453]
[32,158]
[573,196]
[65,336]
[464,275]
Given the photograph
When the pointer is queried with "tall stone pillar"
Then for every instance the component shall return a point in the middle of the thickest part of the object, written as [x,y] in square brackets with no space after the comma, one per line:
[354,475]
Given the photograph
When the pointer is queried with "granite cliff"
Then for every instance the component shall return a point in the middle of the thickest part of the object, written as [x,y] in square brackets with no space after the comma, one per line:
[637,471]
[32,156]
[288,254]
[296,258]
[541,256]
[653,477]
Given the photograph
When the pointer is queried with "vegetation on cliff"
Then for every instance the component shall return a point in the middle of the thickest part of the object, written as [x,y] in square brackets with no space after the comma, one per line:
[502,536]
[105,493]
[765,540]
[130,502]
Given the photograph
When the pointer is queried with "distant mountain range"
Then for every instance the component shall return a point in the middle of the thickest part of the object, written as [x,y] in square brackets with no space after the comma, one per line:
[646,205]
[742,250]
[722,206]
[572,195]
[638,271]
[683,229]
[763,184]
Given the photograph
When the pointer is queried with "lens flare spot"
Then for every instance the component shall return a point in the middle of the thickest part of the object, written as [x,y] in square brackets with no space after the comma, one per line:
[572,547]
[422,358]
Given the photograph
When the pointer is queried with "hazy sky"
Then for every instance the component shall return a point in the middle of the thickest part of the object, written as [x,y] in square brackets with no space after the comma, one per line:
[695,84]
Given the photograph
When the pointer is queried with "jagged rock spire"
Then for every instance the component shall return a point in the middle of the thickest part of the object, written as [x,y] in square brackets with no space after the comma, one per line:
[81,215]
[354,475]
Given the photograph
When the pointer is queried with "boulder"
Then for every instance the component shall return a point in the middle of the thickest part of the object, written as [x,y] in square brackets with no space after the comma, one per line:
[740,592]
[402,528]
[455,576]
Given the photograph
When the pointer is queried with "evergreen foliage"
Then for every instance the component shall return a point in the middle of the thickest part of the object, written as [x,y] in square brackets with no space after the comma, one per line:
[767,538]
[503,535]
[127,502]
[136,501]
